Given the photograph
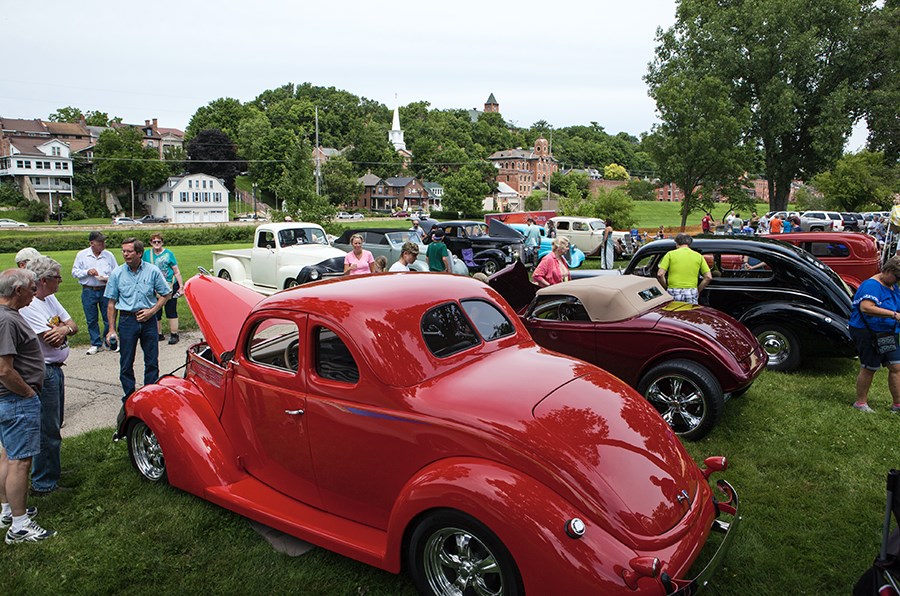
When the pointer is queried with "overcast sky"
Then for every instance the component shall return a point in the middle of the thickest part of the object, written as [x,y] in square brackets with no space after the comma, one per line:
[567,62]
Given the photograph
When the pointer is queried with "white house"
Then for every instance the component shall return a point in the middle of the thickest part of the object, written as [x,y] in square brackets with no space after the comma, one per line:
[195,198]
[41,167]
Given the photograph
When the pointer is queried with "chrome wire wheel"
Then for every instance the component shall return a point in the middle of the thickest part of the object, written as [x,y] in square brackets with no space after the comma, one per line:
[456,562]
[146,454]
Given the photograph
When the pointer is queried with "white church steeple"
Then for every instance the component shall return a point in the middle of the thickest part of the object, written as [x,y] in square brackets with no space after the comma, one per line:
[395,136]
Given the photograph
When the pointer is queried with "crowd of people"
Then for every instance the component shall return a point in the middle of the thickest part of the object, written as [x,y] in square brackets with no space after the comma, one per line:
[35,328]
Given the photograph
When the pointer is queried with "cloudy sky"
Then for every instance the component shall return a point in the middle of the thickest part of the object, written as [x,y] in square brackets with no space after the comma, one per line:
[567,62]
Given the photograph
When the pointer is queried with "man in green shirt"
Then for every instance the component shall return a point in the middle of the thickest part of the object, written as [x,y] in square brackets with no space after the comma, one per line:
[680,269]
[438,255]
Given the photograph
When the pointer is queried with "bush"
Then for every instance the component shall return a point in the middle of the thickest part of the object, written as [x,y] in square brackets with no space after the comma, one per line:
[35,210]
[43,242]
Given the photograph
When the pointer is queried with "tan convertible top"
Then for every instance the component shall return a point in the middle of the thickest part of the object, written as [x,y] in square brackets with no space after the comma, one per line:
[609,298]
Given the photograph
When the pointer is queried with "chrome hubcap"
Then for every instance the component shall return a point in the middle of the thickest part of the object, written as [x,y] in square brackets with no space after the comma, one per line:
[776,346]
[457,563]
[679,401]
[147,453]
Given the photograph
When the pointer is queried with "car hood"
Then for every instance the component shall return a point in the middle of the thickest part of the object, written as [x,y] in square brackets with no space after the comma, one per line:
[498,229]
[620,454]
[220,308]
[717,326]
[513,284]
[315,252]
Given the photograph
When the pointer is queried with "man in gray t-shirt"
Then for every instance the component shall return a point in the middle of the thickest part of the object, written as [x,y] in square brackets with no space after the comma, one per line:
[21,378]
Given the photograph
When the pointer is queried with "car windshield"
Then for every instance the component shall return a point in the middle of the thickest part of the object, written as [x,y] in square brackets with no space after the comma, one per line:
[598,224]
[398,238]
[292,236]
[475,230]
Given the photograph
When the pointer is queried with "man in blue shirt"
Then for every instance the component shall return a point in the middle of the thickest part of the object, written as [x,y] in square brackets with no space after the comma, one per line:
[532,241]
[136,290]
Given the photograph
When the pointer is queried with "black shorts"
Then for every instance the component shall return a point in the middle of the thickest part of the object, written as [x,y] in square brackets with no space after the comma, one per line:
[868,356]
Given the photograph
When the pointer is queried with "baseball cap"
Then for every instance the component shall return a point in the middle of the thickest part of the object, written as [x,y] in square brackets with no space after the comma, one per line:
[95,235]
[26,254]
[438,234]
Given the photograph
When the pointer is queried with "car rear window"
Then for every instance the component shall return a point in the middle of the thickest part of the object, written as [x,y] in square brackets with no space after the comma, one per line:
[487,318]
[447,330]
[829,249]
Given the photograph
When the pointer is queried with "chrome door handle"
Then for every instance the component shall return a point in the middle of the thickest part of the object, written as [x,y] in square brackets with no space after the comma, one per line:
[294,412]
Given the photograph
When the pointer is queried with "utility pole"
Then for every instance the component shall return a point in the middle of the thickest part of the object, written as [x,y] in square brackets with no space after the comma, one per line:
[132,198]
[318,167]
[254,200]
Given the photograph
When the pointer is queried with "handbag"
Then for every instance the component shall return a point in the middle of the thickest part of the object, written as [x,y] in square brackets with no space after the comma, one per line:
[884,342]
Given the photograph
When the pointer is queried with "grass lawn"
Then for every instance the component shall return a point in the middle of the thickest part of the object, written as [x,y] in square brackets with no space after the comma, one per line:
[809,471]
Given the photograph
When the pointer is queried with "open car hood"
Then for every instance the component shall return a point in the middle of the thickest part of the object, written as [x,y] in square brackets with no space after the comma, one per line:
[513,284]
[220,308]
[498,229]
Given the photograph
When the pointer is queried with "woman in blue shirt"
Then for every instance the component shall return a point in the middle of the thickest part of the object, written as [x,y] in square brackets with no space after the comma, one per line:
[875,310]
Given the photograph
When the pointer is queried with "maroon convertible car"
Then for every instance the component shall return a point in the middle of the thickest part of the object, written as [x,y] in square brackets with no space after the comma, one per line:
[686,360]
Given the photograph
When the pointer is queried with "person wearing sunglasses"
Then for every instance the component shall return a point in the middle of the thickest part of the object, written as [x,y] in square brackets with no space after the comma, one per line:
[168,264]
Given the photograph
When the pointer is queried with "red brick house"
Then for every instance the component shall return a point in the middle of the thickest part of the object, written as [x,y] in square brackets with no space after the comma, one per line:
[391,193]
[524,170]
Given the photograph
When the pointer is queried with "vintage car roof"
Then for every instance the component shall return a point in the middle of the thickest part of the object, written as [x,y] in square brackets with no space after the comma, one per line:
[382,314]
[613,298]
[288,225]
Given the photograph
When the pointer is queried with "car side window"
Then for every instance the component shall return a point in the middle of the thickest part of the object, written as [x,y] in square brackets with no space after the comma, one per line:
[559,308]
[578,226]
[275,343]
[333,359]
[487,318]
[266,240]
[562,225]
[742,266]
[647,266]
[446,330]
[829,249]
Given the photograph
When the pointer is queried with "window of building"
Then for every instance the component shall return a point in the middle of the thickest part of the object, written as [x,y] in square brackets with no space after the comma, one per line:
[217,197]
[55,151]
[183,197]
[190,184]
[39,165]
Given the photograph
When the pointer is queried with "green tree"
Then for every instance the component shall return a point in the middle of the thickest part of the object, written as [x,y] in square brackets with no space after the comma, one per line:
[640,190]
[535,201]
[465,189]
[212,152]
[614,171]
[225,114]
[698,143]
[339,181]
[295,190]
[10,195]
[882,90]
[858,180]
[120,159]
[794,64]
[72,114]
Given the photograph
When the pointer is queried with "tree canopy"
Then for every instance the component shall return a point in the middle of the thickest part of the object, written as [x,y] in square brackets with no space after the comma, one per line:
[213,152]
[120,159]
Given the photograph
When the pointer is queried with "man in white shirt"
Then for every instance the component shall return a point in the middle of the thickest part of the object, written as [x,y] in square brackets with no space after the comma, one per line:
[408,255]
[53,326]
[91,268]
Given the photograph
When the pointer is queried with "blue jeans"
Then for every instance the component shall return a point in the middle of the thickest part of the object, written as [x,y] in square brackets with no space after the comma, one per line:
[45,467]
[92,301]
[131,331]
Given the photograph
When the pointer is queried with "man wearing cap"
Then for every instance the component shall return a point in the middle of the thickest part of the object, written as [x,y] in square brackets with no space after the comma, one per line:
[92,268]
[437,253]
[25,255]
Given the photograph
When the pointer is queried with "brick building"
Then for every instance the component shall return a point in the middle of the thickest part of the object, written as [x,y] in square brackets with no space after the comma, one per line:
[524,170]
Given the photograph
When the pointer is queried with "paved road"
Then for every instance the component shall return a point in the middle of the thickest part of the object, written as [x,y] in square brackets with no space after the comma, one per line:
[93,391]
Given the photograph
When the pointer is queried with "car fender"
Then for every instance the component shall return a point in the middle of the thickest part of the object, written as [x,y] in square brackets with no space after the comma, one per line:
[196,449]
[803,319]
[496,494]
[233,266]
[491,253]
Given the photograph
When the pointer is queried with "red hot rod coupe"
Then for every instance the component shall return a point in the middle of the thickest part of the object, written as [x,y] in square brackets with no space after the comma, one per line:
[409,419]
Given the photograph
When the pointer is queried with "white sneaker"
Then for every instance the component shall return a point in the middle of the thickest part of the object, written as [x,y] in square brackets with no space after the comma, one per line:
[30,533]
[6,520]
[92,350]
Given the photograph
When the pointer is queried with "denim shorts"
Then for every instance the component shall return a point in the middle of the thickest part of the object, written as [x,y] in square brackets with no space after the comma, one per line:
[20,426]
[868,356]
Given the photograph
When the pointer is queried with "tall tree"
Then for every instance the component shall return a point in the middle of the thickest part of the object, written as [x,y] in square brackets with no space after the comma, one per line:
[339,181]
[295,190]
[698,143]
[882,42]
[795,64]
[858,181]
[213,152]
[91,117]
[465,189]
[223,114]
[121,159]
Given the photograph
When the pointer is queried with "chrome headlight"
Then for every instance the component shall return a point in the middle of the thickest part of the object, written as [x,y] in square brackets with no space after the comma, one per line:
[314,275]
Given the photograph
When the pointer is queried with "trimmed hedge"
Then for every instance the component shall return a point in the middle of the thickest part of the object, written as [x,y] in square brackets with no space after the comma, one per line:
[47,239]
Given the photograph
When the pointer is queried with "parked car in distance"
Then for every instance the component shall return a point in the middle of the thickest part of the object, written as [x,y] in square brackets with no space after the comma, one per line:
[482,247]
[345,215]
[853,256]
[153,219]
[794,304]
[403,213]
[410,422]
[685,359]
[575,257]
[280,252]
[853,222]
[587,234]
[389,244]
[821,221]
[126,221]
[420,214]
[11,223]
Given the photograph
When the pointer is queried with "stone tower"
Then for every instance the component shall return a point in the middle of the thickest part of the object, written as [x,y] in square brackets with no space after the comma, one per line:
[491,105]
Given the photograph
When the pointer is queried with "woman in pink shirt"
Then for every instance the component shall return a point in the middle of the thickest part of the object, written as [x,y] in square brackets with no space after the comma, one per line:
[359,261]
[553,268]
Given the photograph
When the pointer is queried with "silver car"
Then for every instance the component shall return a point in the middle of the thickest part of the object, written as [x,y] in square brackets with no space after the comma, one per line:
[389,244]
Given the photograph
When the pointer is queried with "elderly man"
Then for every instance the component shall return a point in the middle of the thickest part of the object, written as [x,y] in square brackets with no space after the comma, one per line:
[92,268]
[136,291]
[417,229]
[25,255]
[680,269]
[53,326]
[21,377]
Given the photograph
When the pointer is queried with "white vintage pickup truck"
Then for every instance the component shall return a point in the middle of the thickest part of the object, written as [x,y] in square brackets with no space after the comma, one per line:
[280,252]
